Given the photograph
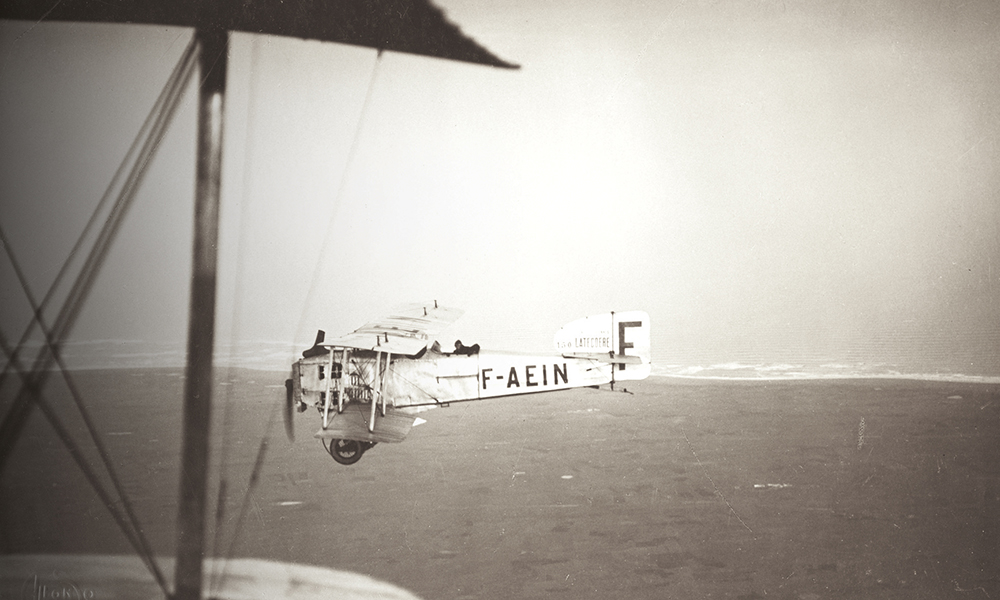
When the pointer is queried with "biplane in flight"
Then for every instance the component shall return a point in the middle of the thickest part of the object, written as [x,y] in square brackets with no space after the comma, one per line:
[368,384]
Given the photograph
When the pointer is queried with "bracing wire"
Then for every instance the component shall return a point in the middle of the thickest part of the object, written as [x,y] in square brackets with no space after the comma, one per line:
[30,393]
[247,495]
[131,529]
[265,440]
[352,153]
[66,438]
[149,122]
[14,419]
[258,465]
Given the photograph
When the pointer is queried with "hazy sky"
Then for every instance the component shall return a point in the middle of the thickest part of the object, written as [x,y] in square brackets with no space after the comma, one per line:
[771,181]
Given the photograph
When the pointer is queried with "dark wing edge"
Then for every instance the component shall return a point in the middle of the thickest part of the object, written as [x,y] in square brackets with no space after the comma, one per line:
[408,26]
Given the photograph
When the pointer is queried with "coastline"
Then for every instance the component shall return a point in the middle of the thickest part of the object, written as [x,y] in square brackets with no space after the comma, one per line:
[704,374]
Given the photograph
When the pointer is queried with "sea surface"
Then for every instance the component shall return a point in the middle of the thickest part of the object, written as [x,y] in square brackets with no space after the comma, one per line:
[821,489]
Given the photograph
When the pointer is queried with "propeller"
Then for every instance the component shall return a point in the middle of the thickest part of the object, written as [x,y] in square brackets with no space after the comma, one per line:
[289,401]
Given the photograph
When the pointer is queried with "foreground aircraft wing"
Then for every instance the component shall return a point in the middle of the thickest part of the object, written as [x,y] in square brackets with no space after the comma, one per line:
[352,424]
[102,576]
[407,330]
[410,26]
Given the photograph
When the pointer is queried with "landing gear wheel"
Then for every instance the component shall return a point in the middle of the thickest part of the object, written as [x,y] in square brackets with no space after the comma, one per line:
[346,452]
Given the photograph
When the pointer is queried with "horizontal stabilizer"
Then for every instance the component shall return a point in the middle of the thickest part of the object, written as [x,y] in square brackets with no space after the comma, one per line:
[352,424]
[619,359]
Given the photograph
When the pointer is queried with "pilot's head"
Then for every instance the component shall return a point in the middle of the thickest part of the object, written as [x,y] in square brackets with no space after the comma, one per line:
[458,344]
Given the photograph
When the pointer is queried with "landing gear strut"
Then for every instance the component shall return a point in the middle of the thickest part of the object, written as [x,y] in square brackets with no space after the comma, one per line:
[347,452]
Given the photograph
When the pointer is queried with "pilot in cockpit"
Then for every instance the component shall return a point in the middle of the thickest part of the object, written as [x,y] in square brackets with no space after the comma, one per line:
[465,350]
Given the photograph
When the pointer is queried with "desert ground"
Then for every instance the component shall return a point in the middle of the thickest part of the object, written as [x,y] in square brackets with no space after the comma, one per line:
[679,488]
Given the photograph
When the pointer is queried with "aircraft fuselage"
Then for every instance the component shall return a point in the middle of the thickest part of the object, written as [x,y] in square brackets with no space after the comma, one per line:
[437,378]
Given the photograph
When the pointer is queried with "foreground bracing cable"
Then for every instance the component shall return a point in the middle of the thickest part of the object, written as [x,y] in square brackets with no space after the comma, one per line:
[14,419]
[134,537]
[135,533]
[33,382]
[179,76]
[258,465]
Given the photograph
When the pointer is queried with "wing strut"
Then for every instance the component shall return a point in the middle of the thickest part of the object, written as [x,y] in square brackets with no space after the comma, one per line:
[612,349]
[376,390]
[345,359]
[378,386]
[385,373]
[213,44]
[329,389]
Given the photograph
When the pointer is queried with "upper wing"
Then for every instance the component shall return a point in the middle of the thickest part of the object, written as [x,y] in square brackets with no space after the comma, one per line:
[407,330]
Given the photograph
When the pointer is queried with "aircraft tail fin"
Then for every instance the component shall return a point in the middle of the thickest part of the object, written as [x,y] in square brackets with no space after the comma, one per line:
[621,337]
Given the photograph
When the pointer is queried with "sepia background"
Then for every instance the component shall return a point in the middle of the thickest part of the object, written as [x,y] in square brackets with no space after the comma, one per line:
[801,194]
[785,187]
